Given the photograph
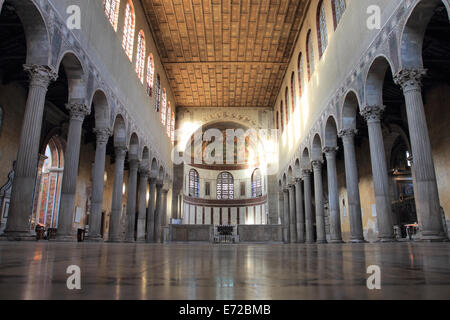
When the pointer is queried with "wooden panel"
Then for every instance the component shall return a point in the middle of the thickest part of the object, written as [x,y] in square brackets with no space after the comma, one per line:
[225,53]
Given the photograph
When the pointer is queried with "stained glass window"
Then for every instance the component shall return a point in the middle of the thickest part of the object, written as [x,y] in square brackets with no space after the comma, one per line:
[339,7]
[150,74]
[301,79]
[225,186]
[322,28]
[310,55]
[194,184]
[256,184]
[163,107]
[140,56]
[128,30]
[157,93]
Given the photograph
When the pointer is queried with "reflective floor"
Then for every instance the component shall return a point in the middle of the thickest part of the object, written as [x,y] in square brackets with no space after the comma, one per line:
[203,271]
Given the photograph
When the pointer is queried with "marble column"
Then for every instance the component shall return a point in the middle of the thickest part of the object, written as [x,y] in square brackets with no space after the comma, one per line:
[425,185]
[163,209]
[286,220]
[157,231]
[309,227]
[351,177]
[143,182]
[131,200]
[151,211]
[292,214]
[333,195]
[116,205]
[98,182]
[78,112]
[372,114]
[300,215]
[318,196]
[20,211]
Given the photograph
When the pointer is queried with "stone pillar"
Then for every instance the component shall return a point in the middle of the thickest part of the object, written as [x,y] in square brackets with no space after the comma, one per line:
[372,114]
[20,211]
[151,212]
[1,5]
[351,175]
[292,213]
[300,215]
[78,112]
[98,183]
[131,200]
[426,190]
[116,206]
[308,207]
[163,209]
[333,195]
[286,220]
[318,196]
[157,231]
[143,182]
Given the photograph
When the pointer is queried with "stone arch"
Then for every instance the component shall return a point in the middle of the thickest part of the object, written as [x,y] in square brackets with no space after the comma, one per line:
[76,76]
[36,32]
[349,110]
[133,149]
[290,175]
[331,131]
[305,161]
[100,105]
[297,168]
[375,80]
[412,36]
[316,148]
[145,156]
[284,180]
[161,173]
[120,132]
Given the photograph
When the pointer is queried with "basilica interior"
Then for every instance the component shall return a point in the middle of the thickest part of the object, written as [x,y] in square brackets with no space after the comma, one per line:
[225,149]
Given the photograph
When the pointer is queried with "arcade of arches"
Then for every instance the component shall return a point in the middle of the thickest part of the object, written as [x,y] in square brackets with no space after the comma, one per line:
[293,122]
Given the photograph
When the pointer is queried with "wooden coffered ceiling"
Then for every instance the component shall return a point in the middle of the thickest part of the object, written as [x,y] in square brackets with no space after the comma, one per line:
[225,53]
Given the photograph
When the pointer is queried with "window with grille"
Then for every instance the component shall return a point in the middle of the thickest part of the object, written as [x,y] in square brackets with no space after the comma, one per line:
[256,184]
[140,56]
[163,107]
[150,73]
[112,11]
[301,78]
[225,186]
[310,54]
[172,128]
[128,30]
[207,189]
[194,184]
[322,28]
[339,7]
[169,119]
[157,93]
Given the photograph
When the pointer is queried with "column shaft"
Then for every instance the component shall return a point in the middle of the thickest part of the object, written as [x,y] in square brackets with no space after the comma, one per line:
[98,184]
[131,200]
[351,175]
[157,230]
[333,196]
[292,214]
[18,223]
[425,185]
[151,212]
[300,215]
[286,220]
[318,196]
[372,114]
[143,182]
[69,183]
[116,205]
[308,207]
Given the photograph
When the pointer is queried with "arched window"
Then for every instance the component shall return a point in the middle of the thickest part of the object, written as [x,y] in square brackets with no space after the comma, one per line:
[256,184]
[322,28]
[163,107]
[112,11]
[194,184]
[150,74]
[292,92]
[140,56]
[169,119]
[225,186]
[338,7]
[282,116]
[157,93]
[278,119]
[301,79]
[310,54]
[286,99]
[128,30]
[172,129]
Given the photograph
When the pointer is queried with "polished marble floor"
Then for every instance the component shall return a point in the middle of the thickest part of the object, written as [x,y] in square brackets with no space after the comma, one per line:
[203,271]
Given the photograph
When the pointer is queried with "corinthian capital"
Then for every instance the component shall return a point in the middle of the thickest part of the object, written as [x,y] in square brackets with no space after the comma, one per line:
[78,111]
[347,133]
[330,150]
[120,152]
[144,172]
[410,79]
[102,135]
[306,173]
[316,164]
[40,76]
[372,113]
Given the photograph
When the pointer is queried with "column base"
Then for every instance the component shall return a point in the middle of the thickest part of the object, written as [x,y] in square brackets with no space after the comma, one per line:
[336,241]
[386,240]
[18,236]
[358,241]
[321,241]
[140,241]
[129,241]
[309,242]
[96,239]
[433,239]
